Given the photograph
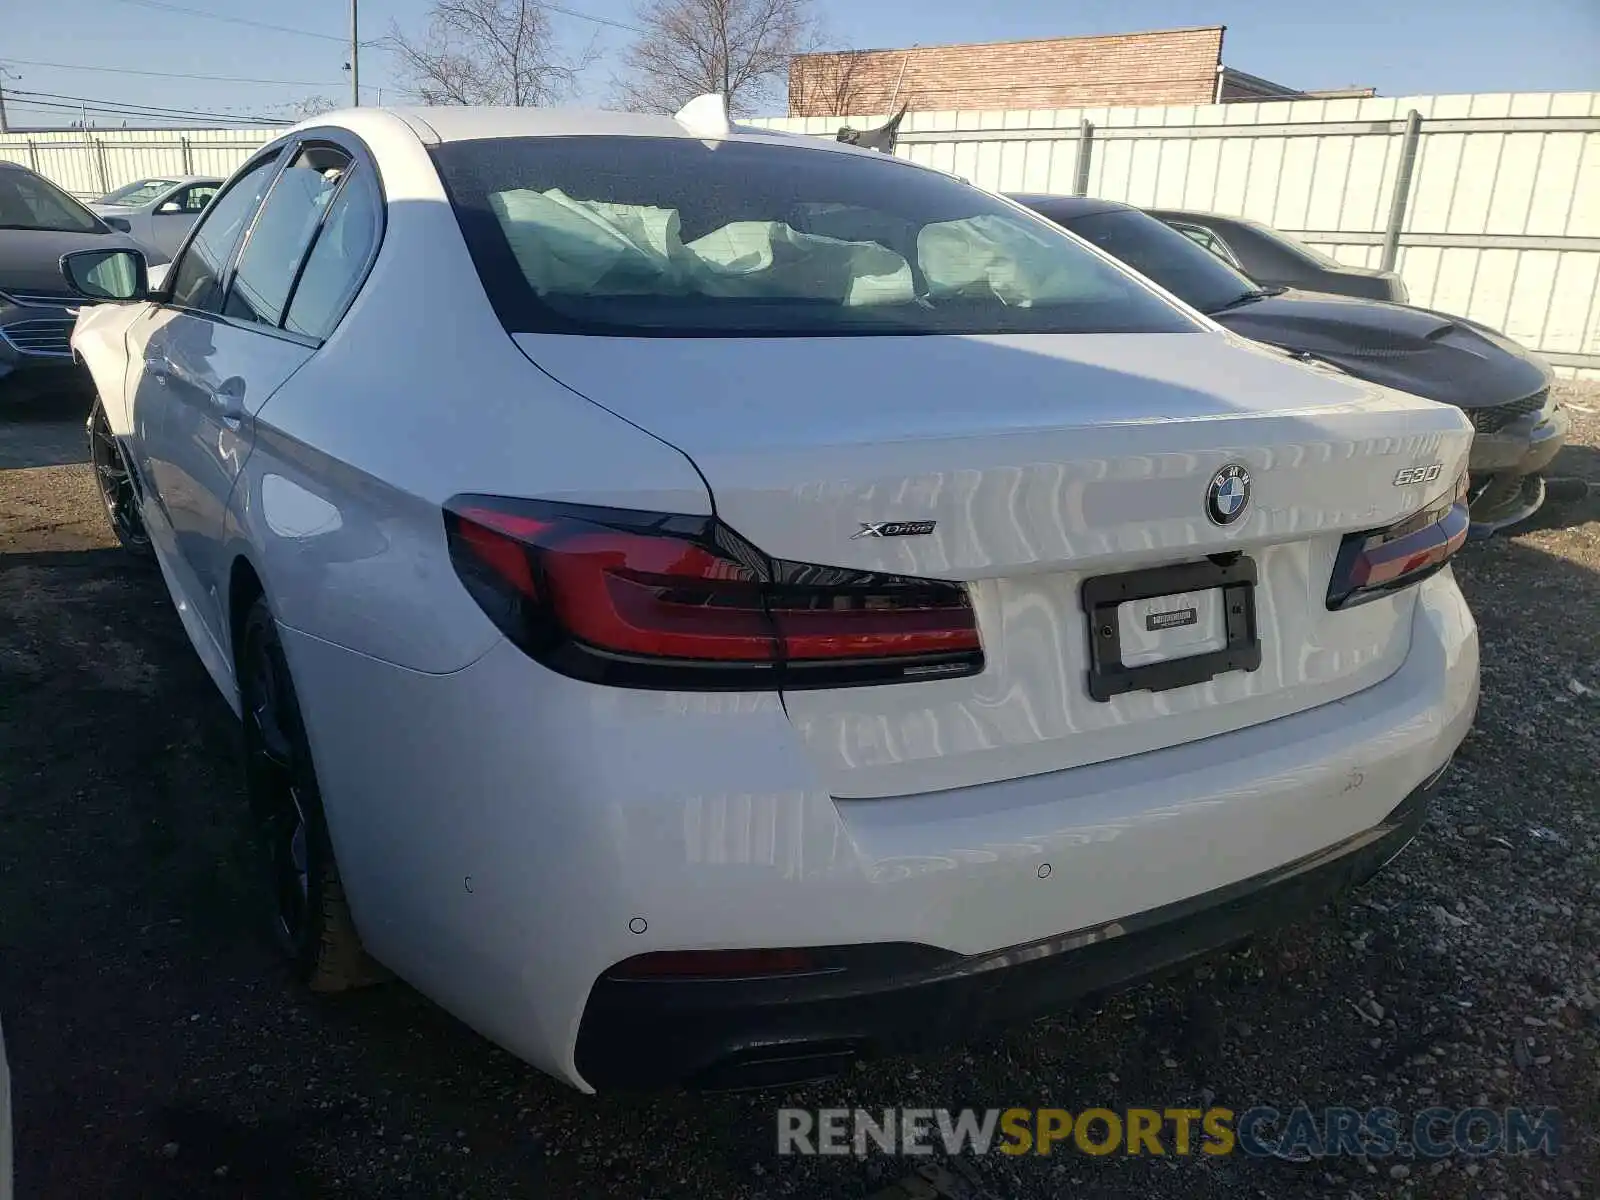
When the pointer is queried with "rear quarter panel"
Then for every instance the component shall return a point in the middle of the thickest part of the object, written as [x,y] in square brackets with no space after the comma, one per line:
[420,395]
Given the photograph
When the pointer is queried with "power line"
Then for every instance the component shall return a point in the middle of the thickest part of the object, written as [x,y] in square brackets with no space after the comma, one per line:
[122,104]
[211,16]
[28,62]
[66,101]
[58,114]
[328,37]
[197,122]
[568,12]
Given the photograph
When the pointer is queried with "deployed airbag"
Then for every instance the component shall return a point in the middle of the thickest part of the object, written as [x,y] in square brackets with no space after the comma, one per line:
[592,247]
[988,256]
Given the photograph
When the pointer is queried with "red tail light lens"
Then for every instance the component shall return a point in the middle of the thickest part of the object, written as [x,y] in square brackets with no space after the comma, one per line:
[652,600]
[1374,564]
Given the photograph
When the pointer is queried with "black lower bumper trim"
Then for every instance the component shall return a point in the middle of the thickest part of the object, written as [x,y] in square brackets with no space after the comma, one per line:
[866,1000]
[1506,500]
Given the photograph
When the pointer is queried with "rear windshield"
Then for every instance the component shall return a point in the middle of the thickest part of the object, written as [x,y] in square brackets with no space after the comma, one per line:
[678,237]
[1295,246]
[135,194]
[29,202]
[1151,247]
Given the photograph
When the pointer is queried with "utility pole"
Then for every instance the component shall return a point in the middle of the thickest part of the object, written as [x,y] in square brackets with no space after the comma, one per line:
[355,58]
[4,75]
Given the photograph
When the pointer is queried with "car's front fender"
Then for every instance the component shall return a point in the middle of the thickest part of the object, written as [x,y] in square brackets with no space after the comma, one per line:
[100,343]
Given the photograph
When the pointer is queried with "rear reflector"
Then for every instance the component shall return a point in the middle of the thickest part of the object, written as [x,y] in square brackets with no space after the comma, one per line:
[1374,564]
[657,600]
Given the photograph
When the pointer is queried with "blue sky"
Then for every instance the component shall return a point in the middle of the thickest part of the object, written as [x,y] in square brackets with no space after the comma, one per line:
[1400,46]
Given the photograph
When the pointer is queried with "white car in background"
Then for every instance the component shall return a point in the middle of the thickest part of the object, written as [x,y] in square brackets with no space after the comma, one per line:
[707,605]
[158,213]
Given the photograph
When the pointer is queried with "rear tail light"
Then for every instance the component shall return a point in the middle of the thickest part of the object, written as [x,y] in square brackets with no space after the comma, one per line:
[661,601]
[1377,563]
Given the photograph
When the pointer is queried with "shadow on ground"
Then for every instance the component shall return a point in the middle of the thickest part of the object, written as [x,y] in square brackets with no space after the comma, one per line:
[160,1051]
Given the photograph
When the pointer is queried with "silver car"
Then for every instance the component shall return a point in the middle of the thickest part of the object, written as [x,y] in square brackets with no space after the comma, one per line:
[158,212]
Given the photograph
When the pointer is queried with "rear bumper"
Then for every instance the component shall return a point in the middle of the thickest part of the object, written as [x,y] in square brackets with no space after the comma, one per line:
[1522,447]
[1512,491]
[506,836]
[864,1001]
[1505,465]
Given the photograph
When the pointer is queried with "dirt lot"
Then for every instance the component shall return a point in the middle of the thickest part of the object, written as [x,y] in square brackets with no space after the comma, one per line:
[159,1051]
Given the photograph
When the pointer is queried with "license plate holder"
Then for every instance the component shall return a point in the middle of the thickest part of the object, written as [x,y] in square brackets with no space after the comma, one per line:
[1234,578]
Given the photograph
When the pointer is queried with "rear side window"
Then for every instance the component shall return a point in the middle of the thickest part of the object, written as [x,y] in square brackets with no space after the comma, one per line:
[1207,240]
[278,240]
[197,279]
[338,260]
[680,237]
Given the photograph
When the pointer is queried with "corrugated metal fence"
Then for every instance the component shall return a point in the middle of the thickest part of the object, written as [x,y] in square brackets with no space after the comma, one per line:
[1501,221]
[95,163]
[1501,224]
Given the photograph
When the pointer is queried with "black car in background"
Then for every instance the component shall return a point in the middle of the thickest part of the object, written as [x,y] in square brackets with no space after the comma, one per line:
[1274,259]
[38,224]
[1504,389]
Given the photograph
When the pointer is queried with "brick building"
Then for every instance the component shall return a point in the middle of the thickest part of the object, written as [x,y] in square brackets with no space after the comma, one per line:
[1167,66]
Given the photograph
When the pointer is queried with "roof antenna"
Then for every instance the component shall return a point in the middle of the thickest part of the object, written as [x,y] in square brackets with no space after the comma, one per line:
[706,116]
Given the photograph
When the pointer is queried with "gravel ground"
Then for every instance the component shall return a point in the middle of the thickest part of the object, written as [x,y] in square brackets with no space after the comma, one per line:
[158,1049]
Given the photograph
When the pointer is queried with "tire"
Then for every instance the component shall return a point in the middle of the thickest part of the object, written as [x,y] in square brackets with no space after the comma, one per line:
[312,920]
[115,486]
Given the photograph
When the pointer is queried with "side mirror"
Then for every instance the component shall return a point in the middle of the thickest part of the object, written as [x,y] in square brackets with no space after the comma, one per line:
[168,208]
[106,274]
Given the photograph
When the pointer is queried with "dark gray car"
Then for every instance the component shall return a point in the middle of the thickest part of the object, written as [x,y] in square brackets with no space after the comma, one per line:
[38,224]
[1274,259]
[1503,388]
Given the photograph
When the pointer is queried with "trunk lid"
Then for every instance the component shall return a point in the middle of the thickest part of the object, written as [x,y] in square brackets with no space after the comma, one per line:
[1044,461]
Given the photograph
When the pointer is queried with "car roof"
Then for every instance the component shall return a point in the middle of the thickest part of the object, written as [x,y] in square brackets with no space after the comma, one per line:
[457,123]
[173,179]
[1066,207]
[1201,217]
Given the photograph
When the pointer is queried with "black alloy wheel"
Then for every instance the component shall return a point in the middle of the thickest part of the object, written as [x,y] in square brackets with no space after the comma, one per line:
[114,482]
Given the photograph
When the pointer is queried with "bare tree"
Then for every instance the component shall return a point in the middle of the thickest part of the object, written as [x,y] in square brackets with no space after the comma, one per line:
[310,106]
[487,52]
[740,48]
[827,85]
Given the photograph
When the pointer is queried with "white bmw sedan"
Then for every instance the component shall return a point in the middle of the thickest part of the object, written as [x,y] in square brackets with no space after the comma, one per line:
[707,605]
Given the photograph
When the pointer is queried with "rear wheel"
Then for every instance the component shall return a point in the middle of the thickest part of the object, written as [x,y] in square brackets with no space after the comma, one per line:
[312,920]
[114,482]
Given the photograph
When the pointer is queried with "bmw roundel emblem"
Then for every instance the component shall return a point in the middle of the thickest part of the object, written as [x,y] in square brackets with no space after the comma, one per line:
[1228,495]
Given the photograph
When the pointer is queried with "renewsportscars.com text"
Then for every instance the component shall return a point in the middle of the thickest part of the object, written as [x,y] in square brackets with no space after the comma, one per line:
[1298,1132]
